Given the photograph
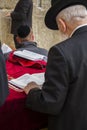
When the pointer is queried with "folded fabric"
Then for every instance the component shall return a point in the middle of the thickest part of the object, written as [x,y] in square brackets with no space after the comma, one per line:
[26,63]
[15,69]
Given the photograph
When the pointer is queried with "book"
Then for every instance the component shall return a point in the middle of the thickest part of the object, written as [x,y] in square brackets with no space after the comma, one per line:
[5,48]
[30,55]
[23,80]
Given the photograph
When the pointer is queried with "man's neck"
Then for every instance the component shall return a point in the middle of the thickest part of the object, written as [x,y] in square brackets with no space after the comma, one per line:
[76,29]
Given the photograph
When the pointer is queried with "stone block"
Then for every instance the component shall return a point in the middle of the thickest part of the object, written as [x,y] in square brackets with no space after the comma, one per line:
[5,27]
[7,4]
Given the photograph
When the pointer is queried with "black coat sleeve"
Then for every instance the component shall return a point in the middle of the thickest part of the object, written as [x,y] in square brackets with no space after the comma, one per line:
[21,10]
[3,80]
[51,98]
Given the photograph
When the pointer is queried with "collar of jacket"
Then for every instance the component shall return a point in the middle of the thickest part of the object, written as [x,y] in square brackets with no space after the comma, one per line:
[79,29]
[29,43]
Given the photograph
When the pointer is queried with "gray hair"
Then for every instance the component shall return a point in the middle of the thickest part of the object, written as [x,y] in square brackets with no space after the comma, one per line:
[73,13]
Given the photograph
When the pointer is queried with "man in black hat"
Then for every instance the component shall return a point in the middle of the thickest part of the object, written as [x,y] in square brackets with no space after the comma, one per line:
[25,40]
[21,15]
[64,93]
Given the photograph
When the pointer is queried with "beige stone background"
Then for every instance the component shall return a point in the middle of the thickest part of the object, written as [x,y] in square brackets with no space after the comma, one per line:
[43,36]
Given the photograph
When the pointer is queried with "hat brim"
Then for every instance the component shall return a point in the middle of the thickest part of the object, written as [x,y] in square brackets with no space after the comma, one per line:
[50,18]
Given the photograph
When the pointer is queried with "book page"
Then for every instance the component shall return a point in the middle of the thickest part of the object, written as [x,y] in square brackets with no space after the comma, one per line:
[5,48]
[30,55]
[23,80]
[38,78]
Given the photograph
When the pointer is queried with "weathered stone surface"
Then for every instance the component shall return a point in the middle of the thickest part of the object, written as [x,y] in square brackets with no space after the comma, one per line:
[5,26]
[43,36]
[7,4]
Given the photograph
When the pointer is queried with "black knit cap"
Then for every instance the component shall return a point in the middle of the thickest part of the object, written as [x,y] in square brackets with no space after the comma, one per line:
[23,31]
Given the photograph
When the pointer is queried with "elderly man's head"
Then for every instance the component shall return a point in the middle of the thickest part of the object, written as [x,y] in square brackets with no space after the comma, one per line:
[66,15]
[70,18]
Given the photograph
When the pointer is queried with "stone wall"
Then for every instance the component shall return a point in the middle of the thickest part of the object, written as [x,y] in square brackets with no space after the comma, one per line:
[7,4]
[43,36]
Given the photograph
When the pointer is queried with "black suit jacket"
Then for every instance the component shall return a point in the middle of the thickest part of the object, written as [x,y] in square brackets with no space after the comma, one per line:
[3,80]
[22,15]
[64,94]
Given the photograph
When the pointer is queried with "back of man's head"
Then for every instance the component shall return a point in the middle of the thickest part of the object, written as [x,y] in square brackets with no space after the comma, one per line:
[75,12]
[70,18]
[23,31]
[56,7]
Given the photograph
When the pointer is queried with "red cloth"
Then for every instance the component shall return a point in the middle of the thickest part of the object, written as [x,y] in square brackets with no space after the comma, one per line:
[26,63]
[15,70]
[13,114]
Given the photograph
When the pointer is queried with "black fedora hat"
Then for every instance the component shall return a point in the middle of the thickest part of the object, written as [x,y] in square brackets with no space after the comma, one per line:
[56,7]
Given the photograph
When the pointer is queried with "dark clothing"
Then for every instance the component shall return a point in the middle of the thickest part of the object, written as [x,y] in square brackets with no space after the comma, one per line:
[64,94]
[17,45]
[22,15]
[3,80]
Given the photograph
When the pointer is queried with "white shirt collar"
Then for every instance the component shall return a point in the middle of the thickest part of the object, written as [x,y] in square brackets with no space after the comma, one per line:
[76,29]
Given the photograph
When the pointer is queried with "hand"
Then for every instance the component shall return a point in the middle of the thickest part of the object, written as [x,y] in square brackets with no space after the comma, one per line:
[31,86]
[8,15]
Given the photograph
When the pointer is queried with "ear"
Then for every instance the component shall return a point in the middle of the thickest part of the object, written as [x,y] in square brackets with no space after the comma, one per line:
[31,36]
[18,40]
[62,25]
